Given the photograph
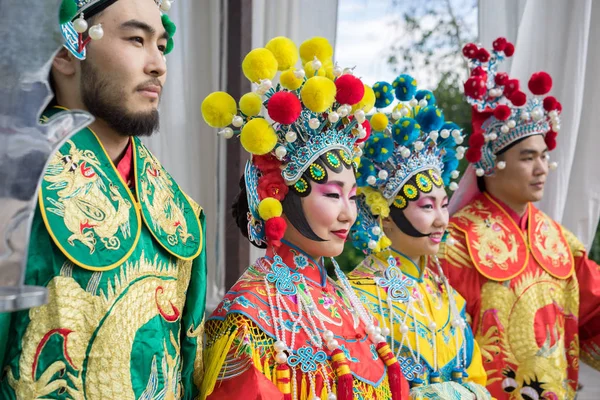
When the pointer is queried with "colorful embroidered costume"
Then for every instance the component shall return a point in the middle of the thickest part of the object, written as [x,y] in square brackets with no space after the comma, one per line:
[411,151]
[532,294]
[286,331]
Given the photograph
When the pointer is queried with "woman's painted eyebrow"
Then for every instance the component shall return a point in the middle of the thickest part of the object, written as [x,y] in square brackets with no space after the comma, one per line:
[340,184]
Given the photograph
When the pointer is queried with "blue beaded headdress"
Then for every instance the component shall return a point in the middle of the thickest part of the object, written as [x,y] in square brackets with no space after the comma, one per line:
[502,113]
[73,24]
[412,143]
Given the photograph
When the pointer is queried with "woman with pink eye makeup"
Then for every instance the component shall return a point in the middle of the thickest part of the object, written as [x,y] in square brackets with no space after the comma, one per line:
[285,330]
[409,159]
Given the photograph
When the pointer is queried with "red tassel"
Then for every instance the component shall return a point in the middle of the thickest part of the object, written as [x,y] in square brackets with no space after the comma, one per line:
[284,383]
[344,375]
[397,382]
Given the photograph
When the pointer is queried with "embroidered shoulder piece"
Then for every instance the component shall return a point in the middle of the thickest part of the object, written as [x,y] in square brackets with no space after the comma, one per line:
[166,210]
[499,249]
[87,209]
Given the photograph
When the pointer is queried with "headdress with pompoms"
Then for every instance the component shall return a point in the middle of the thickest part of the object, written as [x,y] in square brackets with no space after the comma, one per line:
[502,112]
[73,23]
[413,142]
[317,109]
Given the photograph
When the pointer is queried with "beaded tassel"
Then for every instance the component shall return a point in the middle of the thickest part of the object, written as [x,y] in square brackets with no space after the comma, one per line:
[284,383]
[344,375]
[395,377]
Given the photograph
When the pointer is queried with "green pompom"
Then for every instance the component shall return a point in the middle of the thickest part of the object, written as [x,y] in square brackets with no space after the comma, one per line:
[169,47]
[68,10]
[169,25]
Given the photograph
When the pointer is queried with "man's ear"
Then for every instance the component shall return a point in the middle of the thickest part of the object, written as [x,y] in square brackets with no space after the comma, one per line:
[64,62]
[387,223]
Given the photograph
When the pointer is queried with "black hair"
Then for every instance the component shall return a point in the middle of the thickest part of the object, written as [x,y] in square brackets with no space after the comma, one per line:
[292,202]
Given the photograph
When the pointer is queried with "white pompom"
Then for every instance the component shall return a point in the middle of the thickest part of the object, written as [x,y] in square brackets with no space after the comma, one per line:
[291,137]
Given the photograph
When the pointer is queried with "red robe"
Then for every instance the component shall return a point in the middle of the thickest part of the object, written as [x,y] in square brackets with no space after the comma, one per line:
[532,294]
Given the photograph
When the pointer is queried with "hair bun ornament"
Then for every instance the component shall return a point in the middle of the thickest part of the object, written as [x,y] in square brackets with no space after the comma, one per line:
[502,111]
[287,126]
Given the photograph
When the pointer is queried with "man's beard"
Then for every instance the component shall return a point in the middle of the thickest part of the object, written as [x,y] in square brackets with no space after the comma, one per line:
[106,101]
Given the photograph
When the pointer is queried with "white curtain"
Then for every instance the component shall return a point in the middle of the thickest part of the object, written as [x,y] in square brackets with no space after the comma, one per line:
[297,19]
[186,146]
[557,36]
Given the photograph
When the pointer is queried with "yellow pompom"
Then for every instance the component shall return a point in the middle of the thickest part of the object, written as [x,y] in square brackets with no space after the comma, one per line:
[310,72]
[284,50]
[379,122]
[368,101]
[315,47]
[269,208]
[384,242]
[318,94]
[259,64]
[258,136]
[289,81]
[250,104]
[218,109]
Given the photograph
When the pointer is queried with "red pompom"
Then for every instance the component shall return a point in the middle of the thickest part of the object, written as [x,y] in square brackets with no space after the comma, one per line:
[470,50]
[501,78]
[476,140]
[350,89]
[550,103]
[558,107]
[509,49]
[483,55]
[499,44]
[284,107]
[367,126]
[550,143]
[518,98]
[551,135]
[473,155]
[502,112]
[274,230]
[511,86]
[475,87]
[479,71]
[540,83]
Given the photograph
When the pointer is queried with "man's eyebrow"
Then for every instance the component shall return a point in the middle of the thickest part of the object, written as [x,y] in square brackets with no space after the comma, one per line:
[135,24]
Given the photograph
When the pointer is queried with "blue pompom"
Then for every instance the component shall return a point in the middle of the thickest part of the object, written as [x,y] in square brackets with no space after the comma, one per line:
[449,141]
[450,164]
[384,94]
[406,87]
[379,147]
[430,118]
[364,171]
[427,95]
[360,239]
[406,131]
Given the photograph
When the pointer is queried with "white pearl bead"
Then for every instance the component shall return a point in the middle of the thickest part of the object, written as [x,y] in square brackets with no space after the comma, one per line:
[314,123]
[371,180]
[454,174]
[359,152]
[337,71]
[493,136]
[553,114]
[405,152]
[342,111]
[80,25]
[525,116]
[459,156]
[372,244]
[165,5]
[227,133]
[377,330]
[403,329]
[280,152]
[279,346]
[553,165]
[453,186]
[385,331]
[504,129]
[445,133]
[396,114]
[455,133]
[455,322]
[299,73]
[511,123]
[333,344]
[376,231]
[459,140]
[422,103]
[333,117]
[460,149]
[96,32]
[316,64]
[413,102]
[383,174]
[348,71]
[404,111]
[237,121]
[451,241]
[479,172]
[434,135]
[281,358]
[331,396]
[432,326]
[501,165]
[328,335]
[537,114]
[360,116]
[378,339]
[556,127]
[419,145]
[291,137]
[362,133]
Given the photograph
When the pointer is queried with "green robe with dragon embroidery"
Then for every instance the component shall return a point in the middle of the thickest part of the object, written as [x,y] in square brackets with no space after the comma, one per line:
[126,277]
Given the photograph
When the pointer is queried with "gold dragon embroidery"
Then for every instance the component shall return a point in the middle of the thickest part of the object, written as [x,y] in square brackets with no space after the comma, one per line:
[549,241]
[83,200]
